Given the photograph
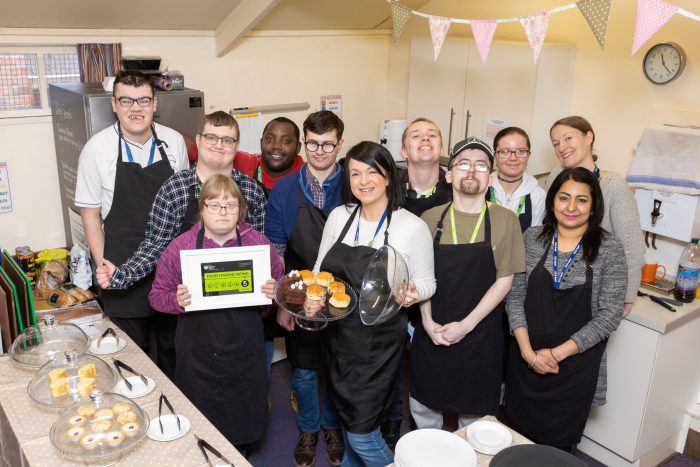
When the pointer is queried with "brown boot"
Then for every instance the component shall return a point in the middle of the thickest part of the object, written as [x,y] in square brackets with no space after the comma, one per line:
[305,452]
[335,446]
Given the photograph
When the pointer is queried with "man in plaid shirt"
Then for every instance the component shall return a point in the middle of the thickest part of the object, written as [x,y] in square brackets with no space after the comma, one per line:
[175,210]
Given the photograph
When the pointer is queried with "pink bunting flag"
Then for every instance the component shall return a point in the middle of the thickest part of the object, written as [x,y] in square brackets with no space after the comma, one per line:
[535,30]
[438,30]
[483,32]
[651,15]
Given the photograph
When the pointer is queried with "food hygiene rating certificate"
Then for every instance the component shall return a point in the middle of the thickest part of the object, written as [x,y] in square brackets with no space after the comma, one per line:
[226,277]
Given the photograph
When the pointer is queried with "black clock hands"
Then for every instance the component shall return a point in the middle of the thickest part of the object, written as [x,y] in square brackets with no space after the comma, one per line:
[663,62]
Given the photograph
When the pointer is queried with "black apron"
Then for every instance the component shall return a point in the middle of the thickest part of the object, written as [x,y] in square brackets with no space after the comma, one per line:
[361,361]
[465,377]
[525,218]
[221,368]
[135,188]
[553,409]
[304,347]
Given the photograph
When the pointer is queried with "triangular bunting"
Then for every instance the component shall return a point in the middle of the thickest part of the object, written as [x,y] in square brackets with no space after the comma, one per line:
[651,15]
[399,17]
[483,32]
[535,30]
[596,13]
[438,30]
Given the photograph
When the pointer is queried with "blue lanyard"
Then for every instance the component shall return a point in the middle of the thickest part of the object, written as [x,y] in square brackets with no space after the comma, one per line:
[555,260]
[596,172]
[381,222]
[150,157]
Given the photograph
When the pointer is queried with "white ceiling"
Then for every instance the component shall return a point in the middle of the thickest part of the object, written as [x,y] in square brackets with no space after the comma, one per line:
[197,14]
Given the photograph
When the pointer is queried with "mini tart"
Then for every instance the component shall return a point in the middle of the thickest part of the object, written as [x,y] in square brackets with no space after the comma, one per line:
[335,287]
[307,276]
[86,410]
[126,417]
[77,420]
[74,433]
[85,385]
[114,438]
[315,292]
[56,374]
[60,387]
[100,426]
[87,371]
[130,429]
[340,300]
[121,407]
[103,414]
[324,278]
[89,441]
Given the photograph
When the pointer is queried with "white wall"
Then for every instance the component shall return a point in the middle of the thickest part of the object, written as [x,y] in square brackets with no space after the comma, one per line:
[264,68]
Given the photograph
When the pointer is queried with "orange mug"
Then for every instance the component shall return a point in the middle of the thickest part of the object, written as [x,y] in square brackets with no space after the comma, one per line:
[649,272]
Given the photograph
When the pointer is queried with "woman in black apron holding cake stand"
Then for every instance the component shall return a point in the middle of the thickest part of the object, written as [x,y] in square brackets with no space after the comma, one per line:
[562,312]
[361,360]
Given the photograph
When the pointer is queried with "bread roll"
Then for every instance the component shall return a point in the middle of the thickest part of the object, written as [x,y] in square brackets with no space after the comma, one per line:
[335,287]
[315,292]
[324,278]
[307,276]
[340,300]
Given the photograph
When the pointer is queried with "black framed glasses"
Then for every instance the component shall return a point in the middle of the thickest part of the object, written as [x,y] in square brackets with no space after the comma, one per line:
[127,102]
[215,208]
[327,147]
[465,166]
[505,153]
[226,141]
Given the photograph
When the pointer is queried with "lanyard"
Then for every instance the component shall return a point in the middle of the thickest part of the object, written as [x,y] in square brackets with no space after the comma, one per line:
[476,227]
[596,172]
[258,173]
[521,203]
[357,230]
[424,194]
[555,260]
[150,157]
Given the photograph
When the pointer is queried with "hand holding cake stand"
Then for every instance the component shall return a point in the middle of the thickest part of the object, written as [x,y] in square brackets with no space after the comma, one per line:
[314,305]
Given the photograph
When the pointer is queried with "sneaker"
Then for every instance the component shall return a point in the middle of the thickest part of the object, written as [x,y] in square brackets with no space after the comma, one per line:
[305,452]
[335,446]
[391,432]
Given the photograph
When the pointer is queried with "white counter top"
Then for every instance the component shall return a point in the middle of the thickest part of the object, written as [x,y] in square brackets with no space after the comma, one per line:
[655,317]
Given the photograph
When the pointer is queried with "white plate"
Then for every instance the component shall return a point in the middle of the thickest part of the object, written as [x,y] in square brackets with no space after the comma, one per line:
[434,447]
[107,346]
[170,431]
[489,437]
[138,389]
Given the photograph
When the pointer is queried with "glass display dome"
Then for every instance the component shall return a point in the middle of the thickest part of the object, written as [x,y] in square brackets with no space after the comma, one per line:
[42,342]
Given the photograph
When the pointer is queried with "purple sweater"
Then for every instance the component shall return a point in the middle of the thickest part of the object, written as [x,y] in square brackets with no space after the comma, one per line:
[169,271]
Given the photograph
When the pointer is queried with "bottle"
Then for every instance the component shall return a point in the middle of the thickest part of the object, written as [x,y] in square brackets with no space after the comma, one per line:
[688,271]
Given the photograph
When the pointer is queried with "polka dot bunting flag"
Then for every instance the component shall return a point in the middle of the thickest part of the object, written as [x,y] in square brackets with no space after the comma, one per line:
[596,13]
[399,17]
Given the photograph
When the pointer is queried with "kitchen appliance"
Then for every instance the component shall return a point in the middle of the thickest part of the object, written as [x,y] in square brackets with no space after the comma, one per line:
[80,110]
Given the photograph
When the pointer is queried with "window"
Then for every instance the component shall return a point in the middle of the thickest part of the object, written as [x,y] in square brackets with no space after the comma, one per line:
[25,74]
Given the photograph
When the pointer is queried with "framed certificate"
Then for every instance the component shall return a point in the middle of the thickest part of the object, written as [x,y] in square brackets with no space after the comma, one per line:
[226,277]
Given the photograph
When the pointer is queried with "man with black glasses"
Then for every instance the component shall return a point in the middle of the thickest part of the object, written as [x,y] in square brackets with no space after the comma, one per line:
[120,170]
[175,210]
[297,210]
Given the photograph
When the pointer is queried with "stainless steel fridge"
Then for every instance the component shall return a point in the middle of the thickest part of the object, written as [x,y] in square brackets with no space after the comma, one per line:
[80,110]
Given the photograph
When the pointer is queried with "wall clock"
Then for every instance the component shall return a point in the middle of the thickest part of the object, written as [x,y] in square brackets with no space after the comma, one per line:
[664,62]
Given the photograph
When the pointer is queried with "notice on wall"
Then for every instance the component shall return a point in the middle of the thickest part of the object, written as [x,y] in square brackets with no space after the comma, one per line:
[5,195]
[334,103]
[492,126]
[250,126]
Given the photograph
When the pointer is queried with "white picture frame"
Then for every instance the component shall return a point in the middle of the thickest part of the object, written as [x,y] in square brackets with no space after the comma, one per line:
[230,268]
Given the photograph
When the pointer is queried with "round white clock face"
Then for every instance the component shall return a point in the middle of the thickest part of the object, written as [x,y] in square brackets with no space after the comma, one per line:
[663,63]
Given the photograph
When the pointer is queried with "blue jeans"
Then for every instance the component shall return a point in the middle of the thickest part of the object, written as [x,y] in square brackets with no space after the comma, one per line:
[305,386]
[366,450]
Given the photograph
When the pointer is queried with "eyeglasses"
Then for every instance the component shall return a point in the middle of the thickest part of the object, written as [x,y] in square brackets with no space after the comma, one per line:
[312,146]
[215,208]
[127,102]
[505,153]
[465,166]
[226,141]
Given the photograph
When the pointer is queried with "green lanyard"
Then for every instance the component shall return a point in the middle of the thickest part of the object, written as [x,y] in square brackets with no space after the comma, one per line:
[521,204]
[429,192]
[258,173]
[476,228]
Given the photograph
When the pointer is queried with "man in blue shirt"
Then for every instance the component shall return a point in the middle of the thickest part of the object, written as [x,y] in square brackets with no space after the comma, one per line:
[297,210]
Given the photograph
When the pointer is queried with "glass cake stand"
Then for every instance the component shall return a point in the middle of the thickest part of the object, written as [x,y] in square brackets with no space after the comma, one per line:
[314,315]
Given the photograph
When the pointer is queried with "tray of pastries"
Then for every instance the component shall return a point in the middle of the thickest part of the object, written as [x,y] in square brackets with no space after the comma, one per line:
[69,378]
[315,297]
[100,428]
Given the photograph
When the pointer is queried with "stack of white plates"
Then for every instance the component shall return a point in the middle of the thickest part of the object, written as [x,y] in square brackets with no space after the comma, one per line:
[489,437]
[433,447]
